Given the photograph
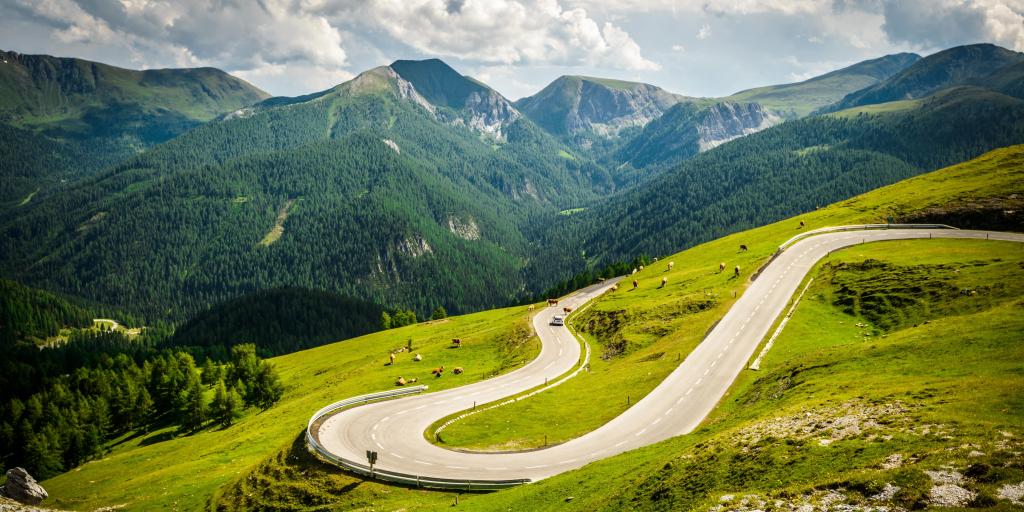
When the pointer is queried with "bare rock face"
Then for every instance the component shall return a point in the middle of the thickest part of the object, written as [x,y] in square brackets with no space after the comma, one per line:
[23,488]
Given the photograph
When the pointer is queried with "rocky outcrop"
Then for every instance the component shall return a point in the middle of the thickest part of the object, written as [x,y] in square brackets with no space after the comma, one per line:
[490,113]
[575,104]
[415,246]
[726,121]
[465,229]
[23,488]
[687,129]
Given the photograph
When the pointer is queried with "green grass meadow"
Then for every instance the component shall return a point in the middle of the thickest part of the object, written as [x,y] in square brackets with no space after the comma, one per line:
[927,353]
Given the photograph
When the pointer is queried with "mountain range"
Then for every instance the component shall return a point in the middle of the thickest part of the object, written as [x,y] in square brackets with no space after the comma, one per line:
[415,186]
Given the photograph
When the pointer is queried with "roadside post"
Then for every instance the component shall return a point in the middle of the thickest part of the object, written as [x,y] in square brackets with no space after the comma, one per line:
[371,457]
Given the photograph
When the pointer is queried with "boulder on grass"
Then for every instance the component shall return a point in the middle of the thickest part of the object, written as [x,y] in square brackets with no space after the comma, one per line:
[23,488]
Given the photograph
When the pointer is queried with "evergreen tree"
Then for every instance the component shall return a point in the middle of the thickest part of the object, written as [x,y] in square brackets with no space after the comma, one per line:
[195,409]
[439,313]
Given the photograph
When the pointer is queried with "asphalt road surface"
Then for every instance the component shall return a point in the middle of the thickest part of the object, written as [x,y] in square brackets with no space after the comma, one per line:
[395,428]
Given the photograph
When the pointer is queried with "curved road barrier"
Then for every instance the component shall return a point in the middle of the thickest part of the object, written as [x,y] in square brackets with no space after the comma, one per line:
[394,428]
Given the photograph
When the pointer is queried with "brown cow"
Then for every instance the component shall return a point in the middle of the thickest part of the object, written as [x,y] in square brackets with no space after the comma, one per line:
[721,267]
[737,270]
[567,310]
[437,371]
[743,247]
[400,382]
[552,302]
[456,342]
[635,284]
[457,370]
[801,224]
[664,281]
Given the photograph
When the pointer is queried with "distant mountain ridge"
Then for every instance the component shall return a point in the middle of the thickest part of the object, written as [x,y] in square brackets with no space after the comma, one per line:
[78,98]
[801,98]
[575,104]
[961,65]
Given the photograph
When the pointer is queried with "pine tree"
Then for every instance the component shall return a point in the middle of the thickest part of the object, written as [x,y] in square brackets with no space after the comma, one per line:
[195,406]
[225,405]
[439,313]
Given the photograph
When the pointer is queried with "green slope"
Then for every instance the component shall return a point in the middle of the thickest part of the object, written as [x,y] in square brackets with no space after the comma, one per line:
[63,118]
[784,170]
[641,335]
[845,408]
[385,197]
[801,98]
[159,470]
[956,66]
[78,98]
[162,473]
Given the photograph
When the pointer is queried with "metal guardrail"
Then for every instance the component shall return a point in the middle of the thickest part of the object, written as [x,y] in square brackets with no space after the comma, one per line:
[859,227]
[394,476]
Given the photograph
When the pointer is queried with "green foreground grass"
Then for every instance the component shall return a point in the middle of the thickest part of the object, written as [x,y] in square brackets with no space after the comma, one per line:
[640,335]
[158,471]
[260,463]
[914,374]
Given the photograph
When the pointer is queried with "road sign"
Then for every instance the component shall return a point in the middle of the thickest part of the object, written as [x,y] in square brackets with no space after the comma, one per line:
[371,456]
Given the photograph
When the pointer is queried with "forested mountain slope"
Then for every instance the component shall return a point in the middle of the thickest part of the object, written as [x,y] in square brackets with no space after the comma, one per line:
[62,118]
[364,189]
[787,169]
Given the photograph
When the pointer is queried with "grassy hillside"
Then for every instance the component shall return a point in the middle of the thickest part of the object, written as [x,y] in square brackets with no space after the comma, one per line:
[75,97]
[911,399]
[801,98]
[643,334]
[961,65]
[289,479]
[161,471]
[782,171]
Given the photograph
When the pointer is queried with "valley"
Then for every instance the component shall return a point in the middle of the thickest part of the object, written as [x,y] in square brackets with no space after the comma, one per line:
[192,267]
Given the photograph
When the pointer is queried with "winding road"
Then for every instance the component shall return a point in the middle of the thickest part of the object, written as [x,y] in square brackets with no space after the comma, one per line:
[395,428]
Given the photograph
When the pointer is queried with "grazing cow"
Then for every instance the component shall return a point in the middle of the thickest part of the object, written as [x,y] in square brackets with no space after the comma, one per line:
[671,265]
[457,370]
[801,224]
[635,284]
[391,356]
[743,247]
[400,382]
[641,268]
[437,371]
[737,271]
[721,267]
[456,342]
[412,380]
[417,358]
[552,302]
[615,287]
[530,308]
[567,310]
[664,281]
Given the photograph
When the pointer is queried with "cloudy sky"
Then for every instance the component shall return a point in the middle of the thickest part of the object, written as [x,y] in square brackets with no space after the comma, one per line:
[699,47]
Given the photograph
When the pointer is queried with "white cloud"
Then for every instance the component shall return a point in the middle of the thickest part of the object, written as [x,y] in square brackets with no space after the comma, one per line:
[938,24]
[510,32]
[704,32]
[242,36]
[678,48]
